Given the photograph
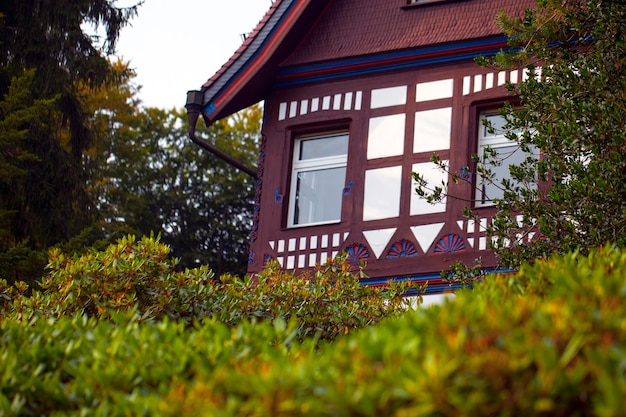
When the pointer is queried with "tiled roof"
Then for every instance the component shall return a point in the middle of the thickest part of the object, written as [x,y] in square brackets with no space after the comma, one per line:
[248,74]
[298,32]
[362,27]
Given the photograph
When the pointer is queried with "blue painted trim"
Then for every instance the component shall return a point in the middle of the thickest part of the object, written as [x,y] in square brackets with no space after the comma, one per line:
[383,68]
[380,63]
[395,55]
[433,288]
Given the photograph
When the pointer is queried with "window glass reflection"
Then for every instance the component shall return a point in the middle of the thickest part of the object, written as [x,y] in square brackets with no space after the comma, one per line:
[324,147]
[318,195]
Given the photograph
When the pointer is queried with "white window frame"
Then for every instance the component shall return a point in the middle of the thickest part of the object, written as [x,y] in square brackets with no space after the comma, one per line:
[495,141]
[415,2]
[315,164]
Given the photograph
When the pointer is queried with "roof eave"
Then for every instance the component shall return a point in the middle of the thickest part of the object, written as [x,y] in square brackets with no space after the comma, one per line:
[249,74]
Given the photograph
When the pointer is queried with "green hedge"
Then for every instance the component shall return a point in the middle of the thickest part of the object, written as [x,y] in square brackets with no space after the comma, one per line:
[139,275]
[550,340]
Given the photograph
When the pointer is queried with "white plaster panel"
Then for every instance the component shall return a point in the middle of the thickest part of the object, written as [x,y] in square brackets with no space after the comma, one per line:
[432,130]
[467,83]
[390,96]
[478,83]
[326,103]
[386,136]
[293,109]
[347,103]
[315,105]
[382,193]
[433,176]
[501,78]
[282,111]
[471,226]
[434,90]
[323,258]
[426,234]
[336,240]
[489,81]
[358,100]
[379,239]
[337,102]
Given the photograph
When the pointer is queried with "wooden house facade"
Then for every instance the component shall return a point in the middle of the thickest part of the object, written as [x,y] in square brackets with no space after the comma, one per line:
[358,95]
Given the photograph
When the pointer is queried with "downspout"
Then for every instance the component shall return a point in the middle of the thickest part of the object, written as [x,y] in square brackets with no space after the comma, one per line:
[194,106]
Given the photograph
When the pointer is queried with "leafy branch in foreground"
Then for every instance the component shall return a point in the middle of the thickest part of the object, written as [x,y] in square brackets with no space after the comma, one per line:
[570,112]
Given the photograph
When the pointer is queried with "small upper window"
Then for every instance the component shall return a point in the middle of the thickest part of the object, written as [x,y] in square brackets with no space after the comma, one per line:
[416,2]
[318,178]
[505,153]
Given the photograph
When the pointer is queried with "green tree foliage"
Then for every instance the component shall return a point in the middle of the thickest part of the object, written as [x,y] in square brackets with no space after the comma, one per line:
[574,113]
[45,56]
[548,341]
[20,114]
[150,177]
[571,108]
[141,174]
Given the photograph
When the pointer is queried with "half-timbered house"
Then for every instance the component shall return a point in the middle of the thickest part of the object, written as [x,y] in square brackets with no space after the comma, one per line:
[358,95]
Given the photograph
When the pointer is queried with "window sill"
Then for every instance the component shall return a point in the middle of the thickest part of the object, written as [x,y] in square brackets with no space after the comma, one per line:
[428,3]
[300,226]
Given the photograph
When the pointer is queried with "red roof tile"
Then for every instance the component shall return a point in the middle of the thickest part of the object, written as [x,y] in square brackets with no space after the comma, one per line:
[362,27]
[298,32]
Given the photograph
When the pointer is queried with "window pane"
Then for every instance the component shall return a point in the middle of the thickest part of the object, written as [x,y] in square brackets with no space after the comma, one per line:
[508,155]
[318,195]
[323,147]
[497,122]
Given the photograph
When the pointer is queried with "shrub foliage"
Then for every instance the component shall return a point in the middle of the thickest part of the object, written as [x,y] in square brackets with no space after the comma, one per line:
[549,340]
[138,276]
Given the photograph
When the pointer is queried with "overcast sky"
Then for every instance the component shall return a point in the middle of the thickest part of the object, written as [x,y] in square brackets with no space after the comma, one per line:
[176,45]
